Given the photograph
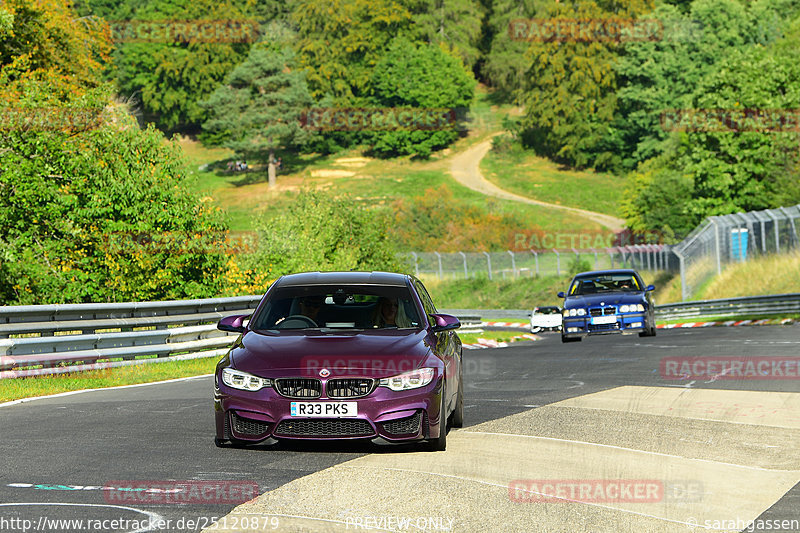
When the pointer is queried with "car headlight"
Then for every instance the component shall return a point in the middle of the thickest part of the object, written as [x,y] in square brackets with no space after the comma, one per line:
[640,308]
[625,308]
[576,312]
[237,379]
[409,380]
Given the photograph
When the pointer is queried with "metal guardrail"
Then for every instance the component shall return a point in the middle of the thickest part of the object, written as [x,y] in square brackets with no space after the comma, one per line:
[50,339]
[775,304]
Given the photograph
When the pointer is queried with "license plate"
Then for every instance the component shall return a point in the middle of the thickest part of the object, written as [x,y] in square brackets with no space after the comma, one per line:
[610,319]
[325,409]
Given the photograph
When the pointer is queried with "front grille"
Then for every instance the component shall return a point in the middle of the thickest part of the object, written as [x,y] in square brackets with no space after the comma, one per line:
[601,311]
[336,427]
[300,388]
[403,426]
[604,327]
[349,387]
[247,426]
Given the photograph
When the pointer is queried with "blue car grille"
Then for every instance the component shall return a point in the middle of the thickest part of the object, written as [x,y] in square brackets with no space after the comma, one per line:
[336,427]
[300,388]
[403,426]
[601,311]
[349,387]
[604,327]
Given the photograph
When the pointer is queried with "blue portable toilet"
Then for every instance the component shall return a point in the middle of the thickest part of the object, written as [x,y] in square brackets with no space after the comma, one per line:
[739,238]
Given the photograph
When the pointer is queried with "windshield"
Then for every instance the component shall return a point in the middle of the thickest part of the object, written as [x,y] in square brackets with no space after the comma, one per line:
[594,284]
[363,307]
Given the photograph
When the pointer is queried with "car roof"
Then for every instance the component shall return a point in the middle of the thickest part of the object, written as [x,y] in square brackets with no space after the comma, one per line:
[343,278]
[604,272]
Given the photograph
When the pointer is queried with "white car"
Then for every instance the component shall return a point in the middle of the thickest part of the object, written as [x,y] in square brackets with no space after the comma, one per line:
[545,319]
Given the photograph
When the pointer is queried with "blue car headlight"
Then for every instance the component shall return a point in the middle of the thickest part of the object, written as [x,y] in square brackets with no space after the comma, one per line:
[575,312]
[236,379]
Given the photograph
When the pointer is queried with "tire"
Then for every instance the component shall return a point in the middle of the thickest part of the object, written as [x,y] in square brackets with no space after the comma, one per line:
[457,418]
[439,444]
[570,339]
[219,443]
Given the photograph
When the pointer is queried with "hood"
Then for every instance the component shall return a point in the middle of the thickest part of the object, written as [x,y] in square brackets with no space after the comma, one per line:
[374,354]
[609,298]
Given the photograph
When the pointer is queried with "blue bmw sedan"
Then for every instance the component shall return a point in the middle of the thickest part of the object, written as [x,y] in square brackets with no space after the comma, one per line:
[607,301]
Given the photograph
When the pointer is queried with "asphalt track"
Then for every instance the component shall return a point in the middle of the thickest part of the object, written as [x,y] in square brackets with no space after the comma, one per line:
[596,415]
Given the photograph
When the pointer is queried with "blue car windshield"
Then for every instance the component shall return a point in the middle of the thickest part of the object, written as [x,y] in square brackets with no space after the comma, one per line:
[595,284]
[359,307]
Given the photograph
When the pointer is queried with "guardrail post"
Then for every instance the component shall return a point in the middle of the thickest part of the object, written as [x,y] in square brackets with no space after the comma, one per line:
[464,257]
[513,265]
[416,266]
[610,257]
[439,257]
[595,258]
[488,263]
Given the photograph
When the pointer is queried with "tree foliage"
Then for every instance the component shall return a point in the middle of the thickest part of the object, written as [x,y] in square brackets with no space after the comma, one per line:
[419,76]
[79,179]
[454,23]
[322,232]
[569,92]
[341,41]
[258,109]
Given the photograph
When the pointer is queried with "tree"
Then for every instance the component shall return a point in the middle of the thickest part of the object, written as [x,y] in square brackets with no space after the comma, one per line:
[341,41]
[322,232]
[455,23]
[425,77]
[569,90]
[171,76]
[663,74]
[505,64]
[258,109]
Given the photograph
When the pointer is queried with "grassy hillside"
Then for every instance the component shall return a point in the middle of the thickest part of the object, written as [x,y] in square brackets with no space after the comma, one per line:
[522,172]
[772,274]
[475,223]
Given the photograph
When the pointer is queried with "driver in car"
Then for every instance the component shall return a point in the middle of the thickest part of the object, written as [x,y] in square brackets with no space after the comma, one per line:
[310,306]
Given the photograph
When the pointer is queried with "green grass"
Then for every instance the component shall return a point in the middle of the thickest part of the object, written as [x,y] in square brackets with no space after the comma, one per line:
[499,336]
[526,174]
[14,389]
[793,316]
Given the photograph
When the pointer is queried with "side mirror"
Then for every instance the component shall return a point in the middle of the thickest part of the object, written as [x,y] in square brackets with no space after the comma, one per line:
[650,288]
[233,323]
[560,294]
[445,322]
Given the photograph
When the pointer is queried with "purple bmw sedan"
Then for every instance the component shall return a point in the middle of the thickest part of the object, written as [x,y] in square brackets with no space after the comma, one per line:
[341,355]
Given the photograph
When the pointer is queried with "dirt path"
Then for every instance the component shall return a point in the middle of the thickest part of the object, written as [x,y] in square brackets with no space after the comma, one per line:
[465,168]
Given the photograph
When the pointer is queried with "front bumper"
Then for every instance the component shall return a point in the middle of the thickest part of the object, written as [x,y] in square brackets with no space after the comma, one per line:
[393,416]
[625,324]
